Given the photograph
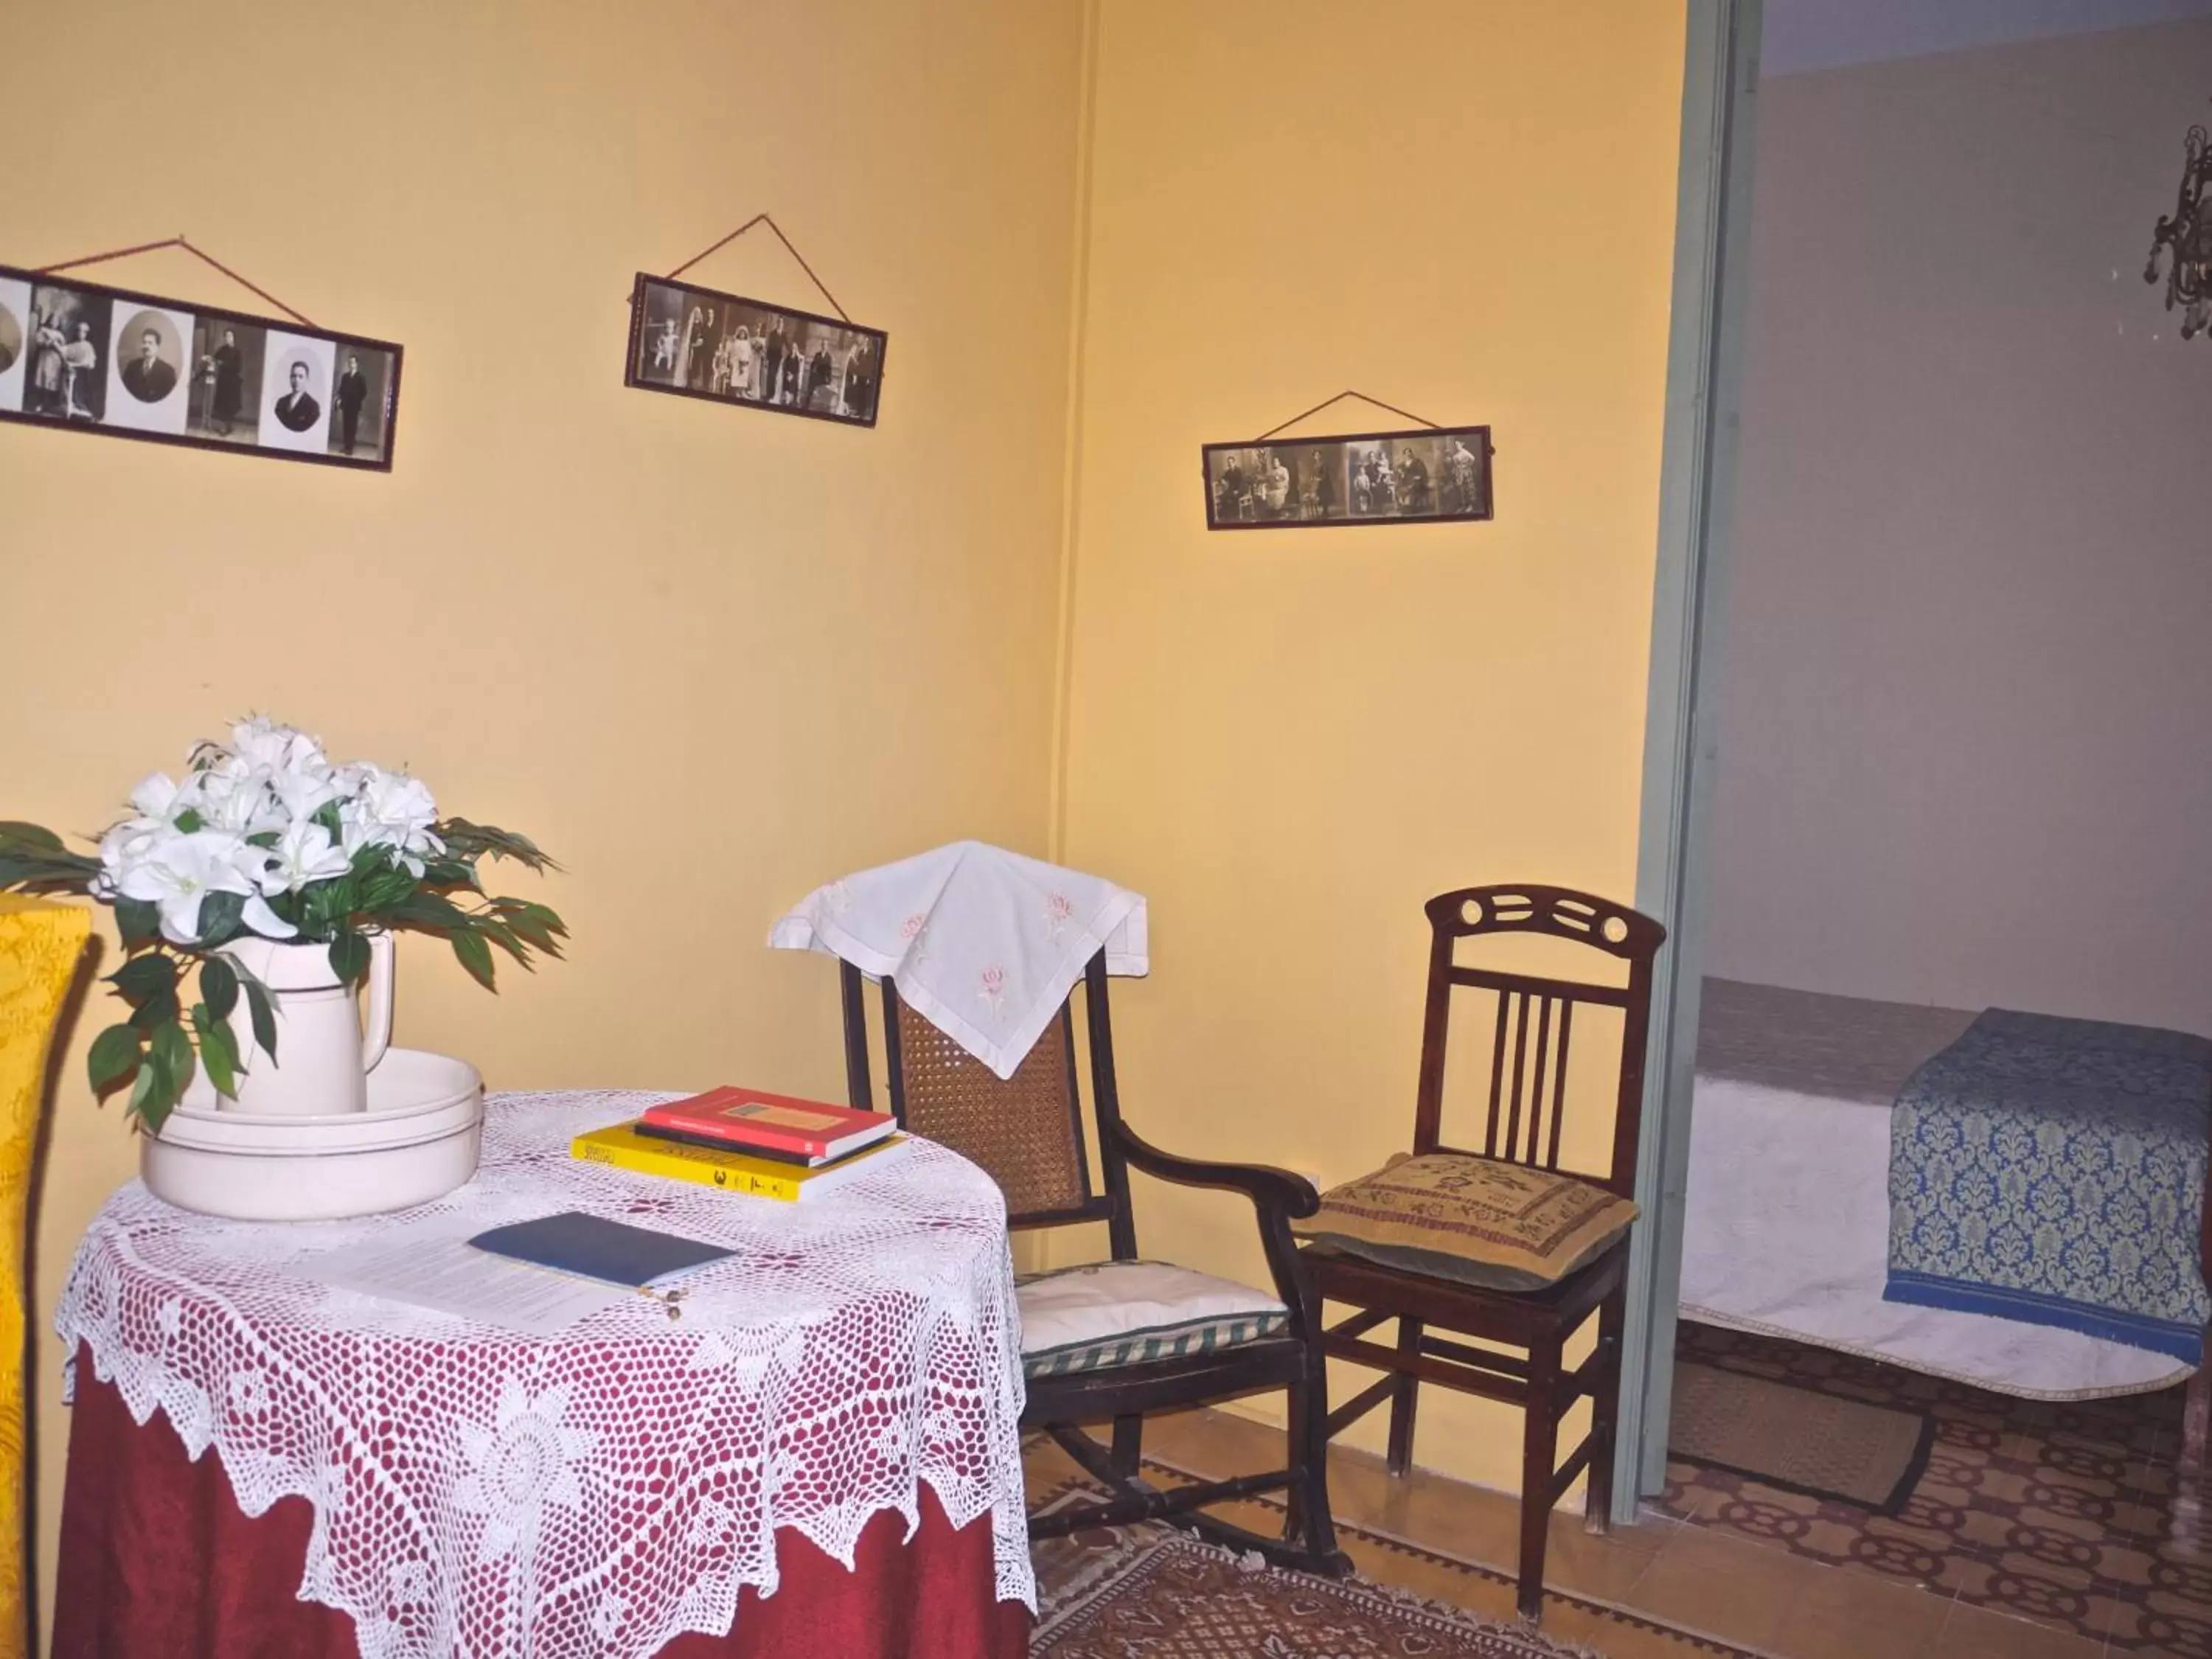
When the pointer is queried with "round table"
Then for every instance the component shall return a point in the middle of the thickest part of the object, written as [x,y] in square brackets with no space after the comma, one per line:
[834,1415]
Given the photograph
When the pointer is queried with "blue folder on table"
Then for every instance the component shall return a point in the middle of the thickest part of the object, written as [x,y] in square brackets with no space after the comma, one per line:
[591,1247]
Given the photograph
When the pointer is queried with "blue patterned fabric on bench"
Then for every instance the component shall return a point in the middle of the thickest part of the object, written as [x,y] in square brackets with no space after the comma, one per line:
[2052,1170]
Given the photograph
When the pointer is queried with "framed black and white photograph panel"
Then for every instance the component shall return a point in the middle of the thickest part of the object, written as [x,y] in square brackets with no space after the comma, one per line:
[295,393]
[697,343]
[14,341]
[1427,476]
[98,359]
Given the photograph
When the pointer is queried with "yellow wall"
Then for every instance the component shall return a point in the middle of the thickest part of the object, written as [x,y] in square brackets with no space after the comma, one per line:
[1288,742]
[710,658]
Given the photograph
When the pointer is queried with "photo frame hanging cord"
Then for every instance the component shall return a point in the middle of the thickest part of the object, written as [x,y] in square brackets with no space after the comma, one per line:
[1434,474]
[88,356]
[701,342]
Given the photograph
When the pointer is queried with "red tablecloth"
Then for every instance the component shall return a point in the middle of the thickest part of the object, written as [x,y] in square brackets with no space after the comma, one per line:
[159,1562]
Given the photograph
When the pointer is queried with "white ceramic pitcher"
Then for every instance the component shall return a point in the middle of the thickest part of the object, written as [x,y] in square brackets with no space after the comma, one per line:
[324,1056]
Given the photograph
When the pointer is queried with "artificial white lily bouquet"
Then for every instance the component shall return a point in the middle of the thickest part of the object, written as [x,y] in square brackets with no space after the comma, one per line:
[264,836]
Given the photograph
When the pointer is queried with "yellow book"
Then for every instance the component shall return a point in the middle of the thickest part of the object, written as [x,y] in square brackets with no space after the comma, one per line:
[621,1145]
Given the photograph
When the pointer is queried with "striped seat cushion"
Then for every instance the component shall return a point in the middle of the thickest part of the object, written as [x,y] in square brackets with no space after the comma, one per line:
[1105,1314]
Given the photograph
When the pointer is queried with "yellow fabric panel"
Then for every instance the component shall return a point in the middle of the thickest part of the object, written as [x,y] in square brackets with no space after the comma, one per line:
[40,945]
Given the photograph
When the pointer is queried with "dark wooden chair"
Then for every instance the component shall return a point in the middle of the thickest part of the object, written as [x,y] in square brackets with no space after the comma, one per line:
[1535,1020]
[1027,1133]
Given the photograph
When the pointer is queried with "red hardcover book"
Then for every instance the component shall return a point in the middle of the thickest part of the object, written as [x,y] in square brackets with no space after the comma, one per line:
[811,1131]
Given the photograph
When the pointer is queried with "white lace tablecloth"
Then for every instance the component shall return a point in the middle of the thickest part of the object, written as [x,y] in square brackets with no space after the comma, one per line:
[605,1491]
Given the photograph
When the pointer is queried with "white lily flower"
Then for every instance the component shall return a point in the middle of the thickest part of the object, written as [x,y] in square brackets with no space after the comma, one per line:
[304,854]
[263,746]
[390,809]
[177,871]
[266,921]
[303,790]
[239,802]
[154,797]
[125,845]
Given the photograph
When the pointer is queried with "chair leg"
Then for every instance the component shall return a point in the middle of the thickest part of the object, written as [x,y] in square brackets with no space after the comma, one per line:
[1605,1414]
[1129,1446]
[1540,1446]
[1309,1521]
[2193,1474]
[1403,1398]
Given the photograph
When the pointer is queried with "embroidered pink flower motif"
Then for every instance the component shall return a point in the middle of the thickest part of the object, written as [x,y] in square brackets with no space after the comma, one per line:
[1058,908]
[915,930]
[994,986]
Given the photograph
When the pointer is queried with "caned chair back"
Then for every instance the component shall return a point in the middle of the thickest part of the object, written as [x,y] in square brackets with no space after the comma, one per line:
[1025,1132]
[1532,1036]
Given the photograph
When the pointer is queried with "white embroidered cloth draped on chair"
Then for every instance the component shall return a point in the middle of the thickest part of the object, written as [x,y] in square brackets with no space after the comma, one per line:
[985,943]
[606,1490]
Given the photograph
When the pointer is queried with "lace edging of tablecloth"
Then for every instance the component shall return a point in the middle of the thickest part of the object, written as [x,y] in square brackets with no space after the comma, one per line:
[193,1418]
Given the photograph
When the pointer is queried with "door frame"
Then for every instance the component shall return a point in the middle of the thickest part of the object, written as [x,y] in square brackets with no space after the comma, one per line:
[1704,360]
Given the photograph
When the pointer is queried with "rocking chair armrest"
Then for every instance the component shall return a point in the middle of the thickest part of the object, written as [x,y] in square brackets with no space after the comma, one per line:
[1270,1189]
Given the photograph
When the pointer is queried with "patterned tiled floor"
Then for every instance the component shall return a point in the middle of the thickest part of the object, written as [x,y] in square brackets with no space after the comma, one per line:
[2052,1512]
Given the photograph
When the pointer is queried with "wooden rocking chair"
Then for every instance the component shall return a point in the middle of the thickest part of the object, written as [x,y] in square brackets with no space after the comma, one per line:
[1116,1339]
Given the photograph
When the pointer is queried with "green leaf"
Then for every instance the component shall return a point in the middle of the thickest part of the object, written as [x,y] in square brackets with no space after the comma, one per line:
[533,922]
[472,840]
[259,1005]
[219,985]
[495,931]
[160,1009]
[162,1079]
[34,861]
[114,1057]
[143,1092]
[325,906]
[159,1100]
[173,1051]
[218,1051]
[430,913]
[350,957]
[219,916]
[188,822]
[475,956]
[224,1040]
[381,888]
[138,920]
[144,977]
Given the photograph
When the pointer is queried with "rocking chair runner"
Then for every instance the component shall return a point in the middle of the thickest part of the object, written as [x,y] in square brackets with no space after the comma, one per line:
[1535,1017]
[1027,1133]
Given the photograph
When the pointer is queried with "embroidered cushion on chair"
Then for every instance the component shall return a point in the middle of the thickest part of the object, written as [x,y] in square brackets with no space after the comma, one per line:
[1478,1220]
[1123,1312]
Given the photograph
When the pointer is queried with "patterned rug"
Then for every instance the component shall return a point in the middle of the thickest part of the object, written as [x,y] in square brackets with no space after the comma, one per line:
[2054,1511]
[1800,1440]
[1151,1592]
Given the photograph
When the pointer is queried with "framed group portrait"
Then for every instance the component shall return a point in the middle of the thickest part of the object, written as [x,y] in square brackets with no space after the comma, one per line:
[92,358]
[697,343]
[1430,474]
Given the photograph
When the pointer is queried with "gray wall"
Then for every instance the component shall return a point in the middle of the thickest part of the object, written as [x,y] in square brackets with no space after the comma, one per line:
[1967,719]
